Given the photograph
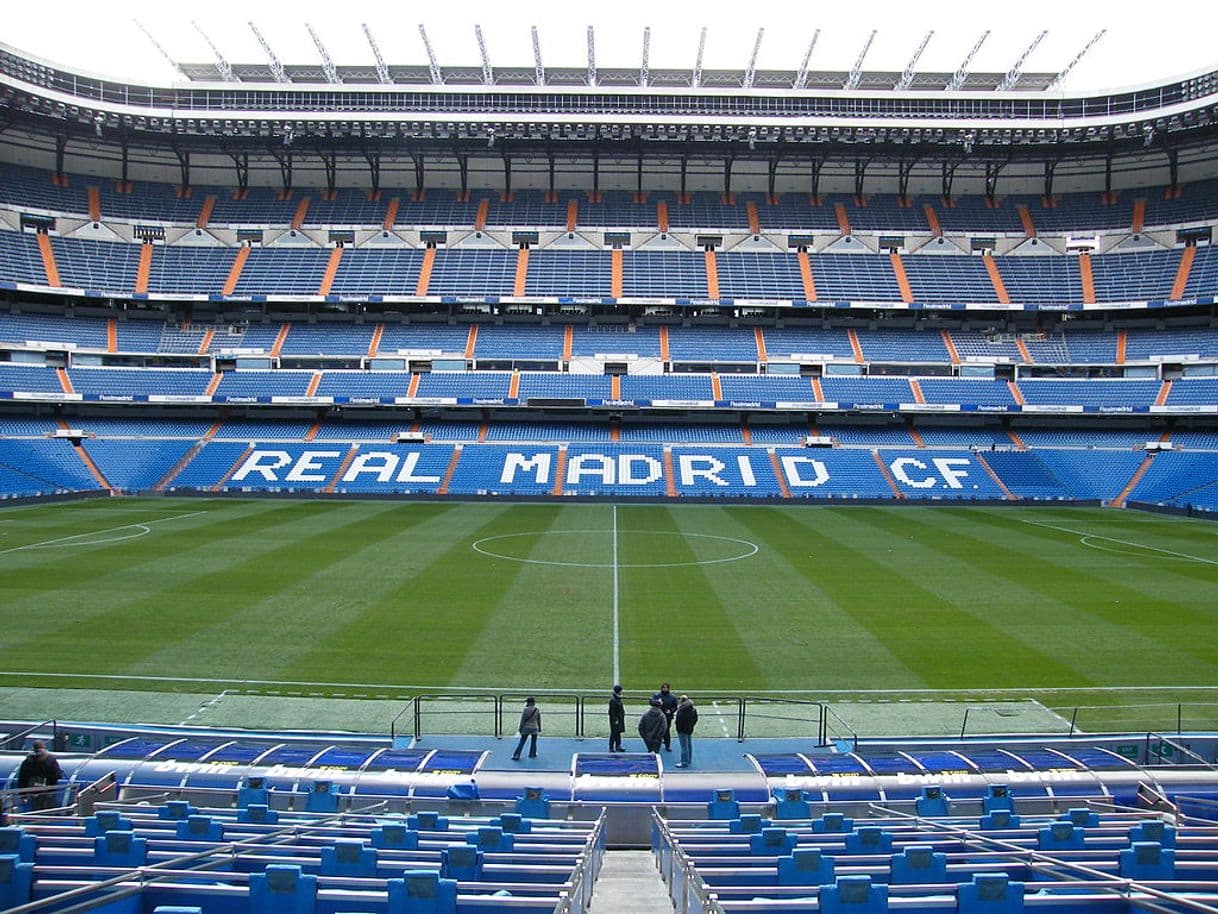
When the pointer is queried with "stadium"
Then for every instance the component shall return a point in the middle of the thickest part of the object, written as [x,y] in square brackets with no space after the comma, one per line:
[343,407]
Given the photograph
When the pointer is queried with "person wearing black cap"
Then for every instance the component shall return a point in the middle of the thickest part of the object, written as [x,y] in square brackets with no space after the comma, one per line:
[40,770]
[668,704]
[617,720]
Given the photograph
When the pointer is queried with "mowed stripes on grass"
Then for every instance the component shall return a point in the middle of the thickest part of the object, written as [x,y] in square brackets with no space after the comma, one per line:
[724,598]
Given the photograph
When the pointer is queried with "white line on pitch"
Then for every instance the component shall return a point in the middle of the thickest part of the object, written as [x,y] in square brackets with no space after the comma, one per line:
[1049,710]
[617,624]
[1096,536]
[77,536]
[836,693]
[203,708]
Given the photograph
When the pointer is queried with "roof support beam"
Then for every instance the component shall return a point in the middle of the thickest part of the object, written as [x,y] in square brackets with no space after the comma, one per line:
[801,78]
[374,170]
[184,165]
[420,171]
[856,72]
[279,74]
[697,78]
[949,176]
[905,168]
[860,176]
[956,83]
[241,165]
[329,159]
[907,77]
[540,70]
[1057,80]
[156,44]
[817,165]
[751,70]
[284,159]
[992,170]
[644,69]
[1050,169]
[591,56]
[1016,71]
[225,68]
[432,66]
[327,63]
[382,71]
[488,75]
[462,167]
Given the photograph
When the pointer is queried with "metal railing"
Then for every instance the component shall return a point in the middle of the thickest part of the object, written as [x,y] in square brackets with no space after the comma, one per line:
[579,715]
[17,740]
[1165,750]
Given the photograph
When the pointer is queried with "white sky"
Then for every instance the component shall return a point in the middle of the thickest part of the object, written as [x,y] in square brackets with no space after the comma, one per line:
[1140,47]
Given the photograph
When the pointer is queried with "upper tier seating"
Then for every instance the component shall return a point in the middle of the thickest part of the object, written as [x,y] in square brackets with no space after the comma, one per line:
[473,273]
[31,189]
[762,276]
[377,271]
[663,275]
[301,270]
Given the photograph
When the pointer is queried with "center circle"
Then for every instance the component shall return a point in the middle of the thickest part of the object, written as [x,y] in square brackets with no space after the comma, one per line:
[721,549]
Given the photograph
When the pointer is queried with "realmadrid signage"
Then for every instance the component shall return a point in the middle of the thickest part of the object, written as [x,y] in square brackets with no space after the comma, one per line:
[505,469]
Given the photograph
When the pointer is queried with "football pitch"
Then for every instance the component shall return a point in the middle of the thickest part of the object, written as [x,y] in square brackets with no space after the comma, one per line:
[1081,611]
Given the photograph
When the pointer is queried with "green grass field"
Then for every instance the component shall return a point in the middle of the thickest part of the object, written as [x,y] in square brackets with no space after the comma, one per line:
[383,599]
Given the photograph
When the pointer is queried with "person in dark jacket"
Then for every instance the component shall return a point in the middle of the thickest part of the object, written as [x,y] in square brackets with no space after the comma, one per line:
[668,704]
[652,726]
[530,726]
[40,769]
[684,721]
[617,720]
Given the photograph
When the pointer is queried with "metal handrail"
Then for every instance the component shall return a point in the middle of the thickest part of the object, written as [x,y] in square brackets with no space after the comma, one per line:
[19,738]
[496,710]
[824,736]
[167,869]
[393,724]
[1179,747]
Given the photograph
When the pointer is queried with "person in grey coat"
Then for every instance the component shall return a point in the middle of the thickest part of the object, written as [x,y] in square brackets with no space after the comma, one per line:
[652,726]
[530,726]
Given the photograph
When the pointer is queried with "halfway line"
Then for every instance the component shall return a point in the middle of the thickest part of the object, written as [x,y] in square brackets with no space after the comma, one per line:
[617,625]
[1096,536]
[79,536]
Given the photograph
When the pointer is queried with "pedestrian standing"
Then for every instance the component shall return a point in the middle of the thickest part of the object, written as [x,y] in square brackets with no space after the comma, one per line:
[684,721]
[530,726]
[617,720]
[652,726]
[668,704]
[40,769]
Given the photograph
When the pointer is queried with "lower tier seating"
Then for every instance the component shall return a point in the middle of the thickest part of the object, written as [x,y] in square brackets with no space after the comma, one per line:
[627,459]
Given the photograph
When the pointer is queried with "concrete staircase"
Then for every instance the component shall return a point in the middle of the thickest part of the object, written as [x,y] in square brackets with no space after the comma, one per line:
[629,883]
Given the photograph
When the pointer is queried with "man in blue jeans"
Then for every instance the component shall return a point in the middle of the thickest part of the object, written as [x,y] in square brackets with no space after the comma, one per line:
[530,726]
[684,722]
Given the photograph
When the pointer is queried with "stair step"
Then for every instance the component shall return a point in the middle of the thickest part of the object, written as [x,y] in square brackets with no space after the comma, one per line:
[629,883]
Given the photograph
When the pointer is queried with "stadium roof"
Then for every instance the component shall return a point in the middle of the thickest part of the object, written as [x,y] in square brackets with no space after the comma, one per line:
[306,36]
